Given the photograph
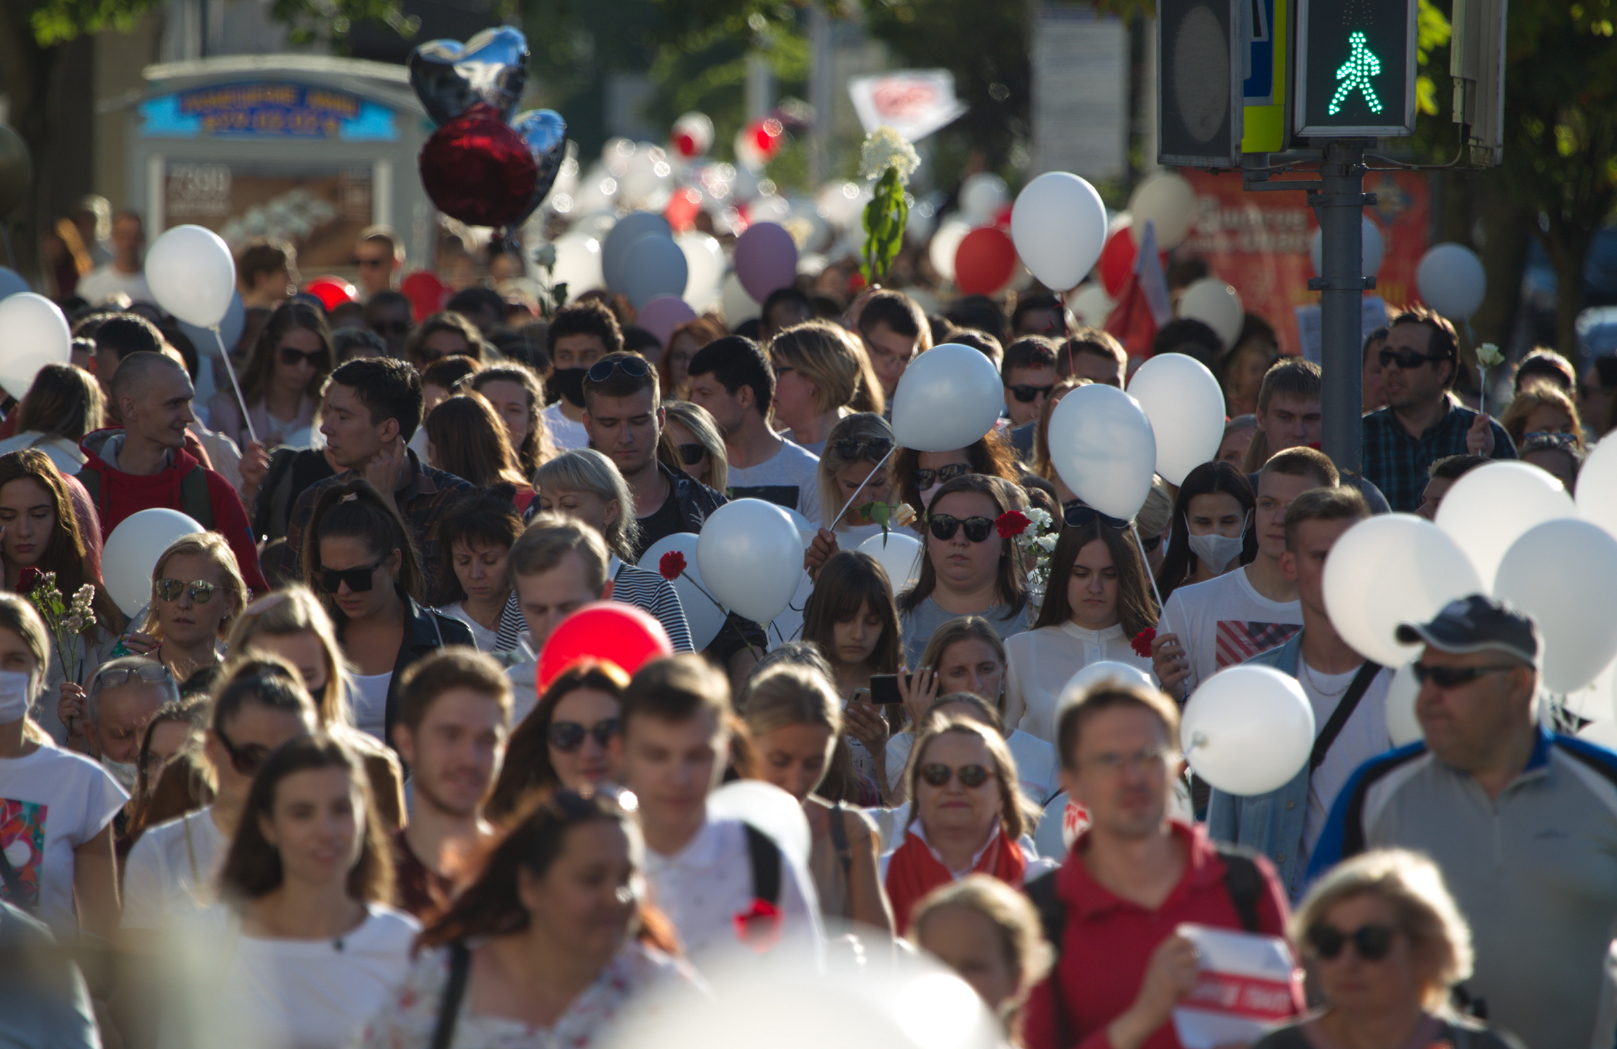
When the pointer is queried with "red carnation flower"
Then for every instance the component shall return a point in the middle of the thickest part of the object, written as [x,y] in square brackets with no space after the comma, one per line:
[1142,642]
[28,579]
[1011,523]
[671,566]
[1316,446]
[759,926]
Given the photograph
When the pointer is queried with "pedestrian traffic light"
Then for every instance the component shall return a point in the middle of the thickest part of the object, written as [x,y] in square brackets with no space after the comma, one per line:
[1355,68]
[1200,55]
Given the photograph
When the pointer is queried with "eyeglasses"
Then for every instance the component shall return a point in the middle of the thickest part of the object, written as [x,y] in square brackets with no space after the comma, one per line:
[1077,515]
[691,454]
[923,478]
[939,775]
[152,675]
[197,590]
[1407,359]
[1113,762]
[247,759]
[359,580]
[568,736]
[943,527]
[1370,942]
[1026,393]
[868,449]
[1453,677]
[317,359]
[1555,440]
[364,263]
[630,365]
[391,327]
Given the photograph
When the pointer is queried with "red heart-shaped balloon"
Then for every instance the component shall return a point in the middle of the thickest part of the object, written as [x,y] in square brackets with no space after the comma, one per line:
[478,170]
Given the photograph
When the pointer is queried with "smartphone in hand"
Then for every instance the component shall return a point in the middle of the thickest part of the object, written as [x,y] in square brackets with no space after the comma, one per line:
[884,691]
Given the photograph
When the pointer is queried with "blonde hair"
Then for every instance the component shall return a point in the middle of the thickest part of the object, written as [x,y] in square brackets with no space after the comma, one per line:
[296,610]
[216,548]
[1012,915]
[833,360]
[1422,907]
[705,429]
[586,470]
[1015,812]
[1542,394]
[790,694]
[863,426]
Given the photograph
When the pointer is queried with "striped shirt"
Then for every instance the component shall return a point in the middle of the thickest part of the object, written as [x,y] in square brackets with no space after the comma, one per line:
[632,586]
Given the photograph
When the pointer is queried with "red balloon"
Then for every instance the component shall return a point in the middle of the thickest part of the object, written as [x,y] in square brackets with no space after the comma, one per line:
[610,631]
[477,169]
[682,209]
[332,291]
[427,294]
[767,136]
[984,262]
[1117,260]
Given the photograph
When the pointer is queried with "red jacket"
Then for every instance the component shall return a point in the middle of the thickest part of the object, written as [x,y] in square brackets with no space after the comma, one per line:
[1108,940]
[121,495]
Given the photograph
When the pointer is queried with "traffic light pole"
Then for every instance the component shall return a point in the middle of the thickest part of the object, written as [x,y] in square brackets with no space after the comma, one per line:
[1339,205]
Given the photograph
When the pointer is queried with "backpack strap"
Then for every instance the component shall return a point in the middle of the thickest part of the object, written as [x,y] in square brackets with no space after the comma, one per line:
[194,498]
[460,965]
[1053,920]
[1344,710]
[764,855]
[1244,882]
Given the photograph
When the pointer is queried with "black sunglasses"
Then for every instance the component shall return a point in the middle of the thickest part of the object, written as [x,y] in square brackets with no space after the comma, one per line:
[1452,677]
[944,526]
[869,449]
[1552,438]
[1026,393]
[246,760]
[923,478]
[1407,359]
[1370,942]
[359,580]
[632,366]
[367,263]
[1150,544]
[318,359]
[171,589]
[568,736]
[1077,515]
[691,454]
[391,327]
[939,775]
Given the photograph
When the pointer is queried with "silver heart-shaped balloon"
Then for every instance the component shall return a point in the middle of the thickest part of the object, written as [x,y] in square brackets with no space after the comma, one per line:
[545,133]
[450,77]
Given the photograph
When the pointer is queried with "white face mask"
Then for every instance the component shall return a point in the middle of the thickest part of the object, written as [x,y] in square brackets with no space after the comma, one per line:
[121,771]
[1215,550]
[16,692]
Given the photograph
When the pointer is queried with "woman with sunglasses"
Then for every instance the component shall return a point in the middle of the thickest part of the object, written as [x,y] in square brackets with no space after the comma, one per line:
[259,705]
[1385,944]
[518,398]
[293,624]
[466,438]
[1542,408]
[968,815]
[358,554]
[563,742]
[1099,600]
[553,943]
[921,474]
[695,435]
[197,590]
[852,462]
[821,374]
[281,382]
[1212,528]
[968,568]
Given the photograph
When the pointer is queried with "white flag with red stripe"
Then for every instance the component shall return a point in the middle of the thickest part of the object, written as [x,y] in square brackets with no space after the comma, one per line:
[1248,984]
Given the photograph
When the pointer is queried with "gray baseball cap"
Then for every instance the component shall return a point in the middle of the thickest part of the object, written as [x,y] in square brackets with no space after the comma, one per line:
[1477,624]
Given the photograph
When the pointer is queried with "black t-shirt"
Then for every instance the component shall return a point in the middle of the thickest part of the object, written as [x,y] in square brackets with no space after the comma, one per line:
[665,522]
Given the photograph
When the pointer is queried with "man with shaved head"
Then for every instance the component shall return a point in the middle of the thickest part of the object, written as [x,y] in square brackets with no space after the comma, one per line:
[145,464]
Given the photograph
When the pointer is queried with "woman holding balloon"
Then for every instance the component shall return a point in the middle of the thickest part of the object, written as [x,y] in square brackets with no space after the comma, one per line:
[854,466]
[921,474]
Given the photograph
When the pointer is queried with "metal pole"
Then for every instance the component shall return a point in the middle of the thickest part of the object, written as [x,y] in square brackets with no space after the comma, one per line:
[822,92]
[1339,204]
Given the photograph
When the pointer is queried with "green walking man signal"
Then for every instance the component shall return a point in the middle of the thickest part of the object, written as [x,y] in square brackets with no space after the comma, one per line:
[1355,74]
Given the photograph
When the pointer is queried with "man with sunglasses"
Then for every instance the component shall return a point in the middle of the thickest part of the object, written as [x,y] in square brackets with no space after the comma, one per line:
[379,258]
[1029,373]
[1521,821]
[388,314]
[120,699]
[1422,422]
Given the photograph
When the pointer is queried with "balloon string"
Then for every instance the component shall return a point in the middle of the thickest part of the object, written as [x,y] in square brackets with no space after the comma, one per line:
[235,384]
[838,518]
[1146,562]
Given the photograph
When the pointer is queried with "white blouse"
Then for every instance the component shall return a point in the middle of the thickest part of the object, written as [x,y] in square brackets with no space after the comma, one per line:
[1042,661]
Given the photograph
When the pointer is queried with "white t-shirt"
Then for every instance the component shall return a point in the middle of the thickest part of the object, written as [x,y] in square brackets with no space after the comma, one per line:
[51,802]
[103,282]
[704,886]
[1041,662]
[485,638]
[170,871]
[1224,622]
[1363,737]
[369,701]
[303,994]
[565,434]
[792,466]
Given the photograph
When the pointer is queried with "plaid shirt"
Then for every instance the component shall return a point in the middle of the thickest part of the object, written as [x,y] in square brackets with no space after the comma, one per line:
[427,497]
[1396,463]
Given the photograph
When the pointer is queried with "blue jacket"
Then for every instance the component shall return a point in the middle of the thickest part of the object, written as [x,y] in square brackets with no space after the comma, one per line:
[1272,823]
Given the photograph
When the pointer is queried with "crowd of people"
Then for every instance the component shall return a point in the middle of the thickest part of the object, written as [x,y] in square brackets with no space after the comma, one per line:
[316,792]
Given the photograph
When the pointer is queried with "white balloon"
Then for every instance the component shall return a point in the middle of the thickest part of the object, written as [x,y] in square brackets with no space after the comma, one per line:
[1168,201]
[1091,304]
[899,554]
[704,262]
[704,617]
[578,263]
[653,265]
[805,531]
[1494,505]
[949,397]
[1186,407]
[1375,249]
[36,334]
[1597,486]
[1451,280]
[1059,227]
[841,203]
[1216,305]
[1103,448]
[1564,574]
[734,302]
[981,197]
[1248,730]
[1403,728]
[945,242]
[192,274]
[132,552]
[1080,683]
[1392,569]
[769,809]
[751,557]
